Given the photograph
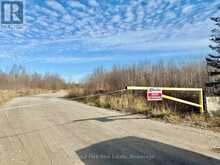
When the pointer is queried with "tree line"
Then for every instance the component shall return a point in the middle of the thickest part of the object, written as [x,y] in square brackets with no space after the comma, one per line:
[147,74]
[18,78]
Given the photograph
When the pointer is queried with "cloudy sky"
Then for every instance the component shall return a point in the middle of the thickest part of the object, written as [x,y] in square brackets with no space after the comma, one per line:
[72,37]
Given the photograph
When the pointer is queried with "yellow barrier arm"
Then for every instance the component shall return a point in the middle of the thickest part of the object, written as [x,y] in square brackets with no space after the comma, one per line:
[164,88]
[200,90]
[181,101]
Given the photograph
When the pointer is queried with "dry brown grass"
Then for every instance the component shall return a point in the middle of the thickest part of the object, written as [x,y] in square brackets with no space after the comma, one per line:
[6,95]
[196,120]
[129,103]
[157,111]
[75,92]
[122,103]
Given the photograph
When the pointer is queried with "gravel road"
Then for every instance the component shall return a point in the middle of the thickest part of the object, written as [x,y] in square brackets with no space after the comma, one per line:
[49,130]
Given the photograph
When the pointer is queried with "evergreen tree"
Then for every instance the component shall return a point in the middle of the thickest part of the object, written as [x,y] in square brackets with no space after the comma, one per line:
[213,60]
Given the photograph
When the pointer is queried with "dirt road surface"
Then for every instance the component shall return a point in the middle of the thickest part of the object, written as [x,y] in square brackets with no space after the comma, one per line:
[49,130]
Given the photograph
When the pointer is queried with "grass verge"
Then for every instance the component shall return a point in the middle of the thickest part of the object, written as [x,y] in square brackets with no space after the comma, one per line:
[162,111]
[7,95]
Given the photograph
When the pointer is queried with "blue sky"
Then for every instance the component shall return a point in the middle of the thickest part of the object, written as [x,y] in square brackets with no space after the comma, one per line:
[72,37]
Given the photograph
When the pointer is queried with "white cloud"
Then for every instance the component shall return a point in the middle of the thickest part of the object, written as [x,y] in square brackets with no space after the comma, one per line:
[67,19]
[187,9]
[55,21]
[76,4]
[170,15]
[68,59]
[29,18]
[93,3]
[152,5]
[140,14]
[129,15]
[49,12]
[4,55]
[56,6]
[116,18]
[173,1]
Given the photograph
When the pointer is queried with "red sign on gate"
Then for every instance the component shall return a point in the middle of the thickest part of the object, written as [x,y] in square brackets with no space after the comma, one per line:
[154,94]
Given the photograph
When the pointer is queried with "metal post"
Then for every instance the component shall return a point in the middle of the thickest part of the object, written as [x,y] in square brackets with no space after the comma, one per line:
[201,101]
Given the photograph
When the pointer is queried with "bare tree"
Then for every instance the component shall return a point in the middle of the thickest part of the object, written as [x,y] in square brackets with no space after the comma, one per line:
[18,78]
